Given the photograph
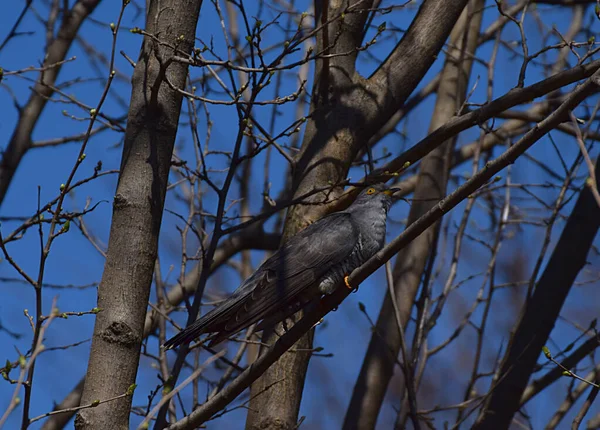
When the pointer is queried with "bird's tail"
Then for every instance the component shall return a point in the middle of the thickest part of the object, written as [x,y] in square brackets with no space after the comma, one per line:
[186,335]
[217,320]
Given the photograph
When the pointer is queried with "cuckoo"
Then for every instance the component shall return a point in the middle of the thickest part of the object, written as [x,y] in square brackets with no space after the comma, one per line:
[312,263]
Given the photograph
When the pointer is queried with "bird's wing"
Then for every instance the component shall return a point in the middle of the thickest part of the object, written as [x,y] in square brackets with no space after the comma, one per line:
[280,281]
[298,265]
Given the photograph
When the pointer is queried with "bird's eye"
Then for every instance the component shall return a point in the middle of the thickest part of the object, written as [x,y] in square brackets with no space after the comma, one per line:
[371,191]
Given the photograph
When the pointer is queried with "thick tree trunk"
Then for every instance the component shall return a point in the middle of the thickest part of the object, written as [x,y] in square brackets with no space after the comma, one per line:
[137,213]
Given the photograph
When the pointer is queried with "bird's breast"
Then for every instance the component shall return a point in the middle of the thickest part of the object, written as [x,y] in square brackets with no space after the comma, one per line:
[376,231]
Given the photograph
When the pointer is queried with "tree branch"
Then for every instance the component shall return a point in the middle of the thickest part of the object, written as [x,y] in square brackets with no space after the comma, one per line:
[384,346]
[20,141]
[541,311]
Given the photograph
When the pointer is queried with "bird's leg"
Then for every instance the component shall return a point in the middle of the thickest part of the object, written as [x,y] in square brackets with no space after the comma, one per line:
[347,282]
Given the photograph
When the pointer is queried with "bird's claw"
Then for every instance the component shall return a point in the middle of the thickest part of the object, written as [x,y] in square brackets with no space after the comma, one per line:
[347,283]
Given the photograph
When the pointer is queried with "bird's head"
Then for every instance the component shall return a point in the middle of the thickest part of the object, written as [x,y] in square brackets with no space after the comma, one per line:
[376,194]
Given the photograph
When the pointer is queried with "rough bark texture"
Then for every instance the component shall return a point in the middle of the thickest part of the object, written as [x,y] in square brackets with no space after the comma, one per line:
[380,359]
[137,213]
[541,312]
[347,109]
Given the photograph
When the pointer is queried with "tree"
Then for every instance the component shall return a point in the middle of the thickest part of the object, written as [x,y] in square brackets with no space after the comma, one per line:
[246,122]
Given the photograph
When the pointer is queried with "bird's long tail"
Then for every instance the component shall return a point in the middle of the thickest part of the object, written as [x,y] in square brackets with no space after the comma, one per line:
[186,335]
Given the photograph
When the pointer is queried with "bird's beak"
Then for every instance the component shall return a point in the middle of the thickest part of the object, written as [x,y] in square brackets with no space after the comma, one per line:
[390,191]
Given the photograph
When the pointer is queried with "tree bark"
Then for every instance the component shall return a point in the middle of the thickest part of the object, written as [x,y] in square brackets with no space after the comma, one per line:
[346,110]
[380,358]
[137,213]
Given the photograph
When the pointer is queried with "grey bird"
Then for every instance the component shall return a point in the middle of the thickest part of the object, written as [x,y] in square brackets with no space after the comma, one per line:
[312,263]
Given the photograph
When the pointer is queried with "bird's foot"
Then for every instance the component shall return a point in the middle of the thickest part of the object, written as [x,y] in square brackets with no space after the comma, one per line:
[347,282]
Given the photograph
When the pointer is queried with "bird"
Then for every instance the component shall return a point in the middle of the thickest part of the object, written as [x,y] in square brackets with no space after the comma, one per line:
[312,263]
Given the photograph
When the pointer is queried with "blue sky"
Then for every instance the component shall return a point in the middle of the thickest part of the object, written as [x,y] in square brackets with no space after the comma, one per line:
[74,261]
